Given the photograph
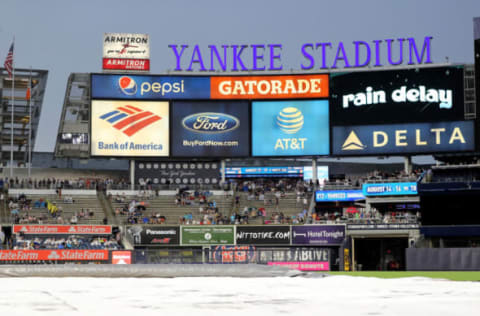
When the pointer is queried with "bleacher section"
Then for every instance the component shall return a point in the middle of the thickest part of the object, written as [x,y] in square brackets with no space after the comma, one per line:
[165,207]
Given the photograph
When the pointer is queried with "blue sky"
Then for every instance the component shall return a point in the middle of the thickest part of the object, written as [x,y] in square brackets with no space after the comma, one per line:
[66,36]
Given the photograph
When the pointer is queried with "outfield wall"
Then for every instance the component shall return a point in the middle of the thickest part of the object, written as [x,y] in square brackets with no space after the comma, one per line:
[443,259]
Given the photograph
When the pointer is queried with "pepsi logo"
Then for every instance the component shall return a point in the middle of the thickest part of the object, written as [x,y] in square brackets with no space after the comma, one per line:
[290,120]
[127,85]
[210,122]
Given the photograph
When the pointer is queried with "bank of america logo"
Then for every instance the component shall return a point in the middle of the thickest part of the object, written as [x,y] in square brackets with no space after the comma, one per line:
[353,142]
[130,119]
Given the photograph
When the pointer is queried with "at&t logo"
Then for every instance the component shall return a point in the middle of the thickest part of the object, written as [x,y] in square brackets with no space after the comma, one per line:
[290,120]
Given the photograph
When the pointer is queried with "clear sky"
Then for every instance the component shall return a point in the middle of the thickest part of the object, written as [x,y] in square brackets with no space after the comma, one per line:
[64,36]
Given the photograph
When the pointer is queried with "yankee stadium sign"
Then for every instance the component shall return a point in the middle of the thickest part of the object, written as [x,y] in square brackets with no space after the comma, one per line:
[316,55]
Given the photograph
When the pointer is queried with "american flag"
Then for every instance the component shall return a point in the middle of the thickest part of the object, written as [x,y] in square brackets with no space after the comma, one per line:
[9,61]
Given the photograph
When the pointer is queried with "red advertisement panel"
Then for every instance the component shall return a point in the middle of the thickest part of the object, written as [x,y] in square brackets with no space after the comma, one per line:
[121,257]
[64,229]
[56,254]
[304,266]
[269,87]
[126,64]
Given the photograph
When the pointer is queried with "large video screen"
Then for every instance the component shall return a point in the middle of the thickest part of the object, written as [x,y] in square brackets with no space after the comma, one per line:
[210,129]
[397,96]
[401,139]
[129,128]
[290,128]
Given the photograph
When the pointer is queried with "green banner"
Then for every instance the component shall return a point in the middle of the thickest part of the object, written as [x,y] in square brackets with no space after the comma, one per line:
[207,235]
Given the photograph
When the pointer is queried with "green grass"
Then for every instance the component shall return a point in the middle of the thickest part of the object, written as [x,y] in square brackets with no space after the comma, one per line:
[449,275]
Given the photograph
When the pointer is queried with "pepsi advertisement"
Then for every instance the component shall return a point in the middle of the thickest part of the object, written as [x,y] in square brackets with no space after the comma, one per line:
[397,96]
[290,128]
[135,87]
[394,188]
[210,129]
[402,139]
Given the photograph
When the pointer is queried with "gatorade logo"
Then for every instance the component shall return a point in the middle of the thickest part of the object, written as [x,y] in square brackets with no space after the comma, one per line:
[127,85]
[130,119]
[353,142]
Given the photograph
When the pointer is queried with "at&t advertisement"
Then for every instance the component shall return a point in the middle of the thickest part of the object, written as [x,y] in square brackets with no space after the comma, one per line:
[290,128]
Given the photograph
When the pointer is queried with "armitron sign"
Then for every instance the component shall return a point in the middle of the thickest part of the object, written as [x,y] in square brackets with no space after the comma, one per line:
[124,51]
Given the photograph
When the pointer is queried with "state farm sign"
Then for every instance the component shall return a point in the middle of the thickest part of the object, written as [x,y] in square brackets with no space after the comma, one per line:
[63,229]
[53,255]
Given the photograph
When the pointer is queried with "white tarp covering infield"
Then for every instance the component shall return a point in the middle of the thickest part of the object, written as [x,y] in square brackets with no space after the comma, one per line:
[226,296]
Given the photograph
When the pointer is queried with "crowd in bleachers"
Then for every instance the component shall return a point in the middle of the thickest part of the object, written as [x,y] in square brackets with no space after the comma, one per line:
[21,242]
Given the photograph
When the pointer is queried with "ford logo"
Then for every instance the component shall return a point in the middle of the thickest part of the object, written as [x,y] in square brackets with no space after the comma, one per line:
[210,122]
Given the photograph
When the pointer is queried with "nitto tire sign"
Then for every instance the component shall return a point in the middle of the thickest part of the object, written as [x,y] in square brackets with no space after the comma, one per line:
[263,235]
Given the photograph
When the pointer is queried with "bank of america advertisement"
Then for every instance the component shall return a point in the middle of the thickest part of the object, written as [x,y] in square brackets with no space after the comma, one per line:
[210,129]
[129,128]
[401,139]
[290,128]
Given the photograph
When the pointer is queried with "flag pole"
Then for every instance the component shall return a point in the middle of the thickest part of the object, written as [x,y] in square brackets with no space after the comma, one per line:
[30,123]
[13,110]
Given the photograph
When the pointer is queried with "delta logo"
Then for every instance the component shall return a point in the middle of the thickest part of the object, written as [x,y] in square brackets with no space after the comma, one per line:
[127,85]
[130,119]
[353,142]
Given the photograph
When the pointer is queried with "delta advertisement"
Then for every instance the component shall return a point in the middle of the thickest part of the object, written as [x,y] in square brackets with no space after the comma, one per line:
[398,96]
[210,129]
[403,139]
[290,128]
[299,258]
[203,235]
[129,128]
[147,87]
[318,235]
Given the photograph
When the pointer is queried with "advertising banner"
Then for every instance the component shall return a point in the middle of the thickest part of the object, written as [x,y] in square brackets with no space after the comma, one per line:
[263,235]
[54,255]
[318,234]
[290,128]
[155,235]
[121,257]
[126,64]
[239,172]
[313,259]
[126,45]
[339,195]
[233,254]
[211,235]
[63,229]
[394,188]
[136,87]
[397,96]
[402,139]
[304,266]
[270,87]
[210,129]
[177,172]
[130,128]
